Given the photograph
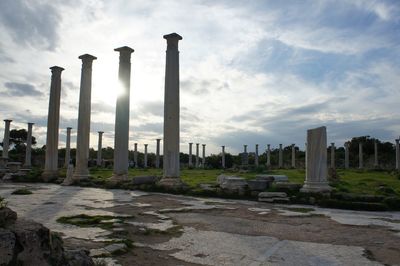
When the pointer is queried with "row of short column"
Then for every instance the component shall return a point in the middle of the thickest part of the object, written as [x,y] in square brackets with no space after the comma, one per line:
[197,157]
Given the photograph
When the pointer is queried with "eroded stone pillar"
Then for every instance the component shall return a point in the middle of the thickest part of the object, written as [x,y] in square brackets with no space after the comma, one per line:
[83,131]
[171,176]
[376,164]
[53,121]
[135,156]
[316,170]
[256,156]
[280,163]
[245,157]
[68,148]
[6,140]
[145,155]
[360,156]
[190,155]
[346,155]
[223,157]
[268,155]
[397,154]
[204,156]
[121,139]
[99,148]
[197,155]
[333,165]
[293,156]
[28,152]
[158,153]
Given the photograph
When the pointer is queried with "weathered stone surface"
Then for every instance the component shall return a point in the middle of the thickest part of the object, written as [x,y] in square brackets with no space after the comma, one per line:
[258,185]
[207,187]
[272,195]
[274,200]
[234,183]
[316,161]
[140,180]
[265,177]
[287,185]
[7,217]
[79,257]
[7,245]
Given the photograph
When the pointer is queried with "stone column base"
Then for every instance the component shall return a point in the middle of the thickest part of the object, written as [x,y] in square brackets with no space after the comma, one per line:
[78,177]
[49,175]
[173,183]
[316,187]
[119,177]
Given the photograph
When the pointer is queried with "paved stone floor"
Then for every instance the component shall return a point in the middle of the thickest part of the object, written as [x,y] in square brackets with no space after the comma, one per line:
[179,230]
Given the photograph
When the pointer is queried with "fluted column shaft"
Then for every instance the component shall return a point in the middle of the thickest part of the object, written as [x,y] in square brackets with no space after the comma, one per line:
[99,148]
[121,139]
[204,156]
[28,152]
[68,148]
[6,140]
[293,156]
[135,156]
[158,153]
[280,163]
[145,155]
[268,155]
[223,157]
[333,165]
[256,156]
[53,121]
[197,155]
[83,131]
[190,163]
[171,108]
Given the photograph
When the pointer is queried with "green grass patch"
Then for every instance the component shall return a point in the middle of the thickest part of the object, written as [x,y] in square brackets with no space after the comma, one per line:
[83,220]
[22,191]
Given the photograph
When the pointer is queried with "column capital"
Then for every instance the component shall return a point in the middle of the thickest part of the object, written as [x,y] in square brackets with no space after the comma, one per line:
[190,143]
[158,139]
[172,41]
[100,132]
[333,143]
[87,58]
[256,145]
[30,123]
[56,69]
[124,50]
[203,144]
[146,145]
[223,146]
[69,128]
[7,120]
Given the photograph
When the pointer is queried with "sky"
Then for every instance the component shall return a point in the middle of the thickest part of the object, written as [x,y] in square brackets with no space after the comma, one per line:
[251,72]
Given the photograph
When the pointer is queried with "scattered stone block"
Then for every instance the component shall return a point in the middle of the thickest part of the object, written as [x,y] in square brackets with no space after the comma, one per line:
[258,185]
[7,245]
[288,186]
[14,167]
[272,195]
[265,177]
[141,180]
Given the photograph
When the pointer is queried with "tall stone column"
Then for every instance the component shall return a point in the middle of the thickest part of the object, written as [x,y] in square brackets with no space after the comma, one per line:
[245,157]
[268,155]
[171,176]
[256,156]
[316,170]
[190,155]
[135,156]
[397,154]
[53,121]
[293,156]
[376,164]
[333,165]
[197,155]
[99,148]
[28,152]
[83,132]
[204,156]
[158,153]
[121,139]
[360,156]
[223,157]
[6,140]
[280,165]
[346,155]
[305,155]
[145,155]
[68,148]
